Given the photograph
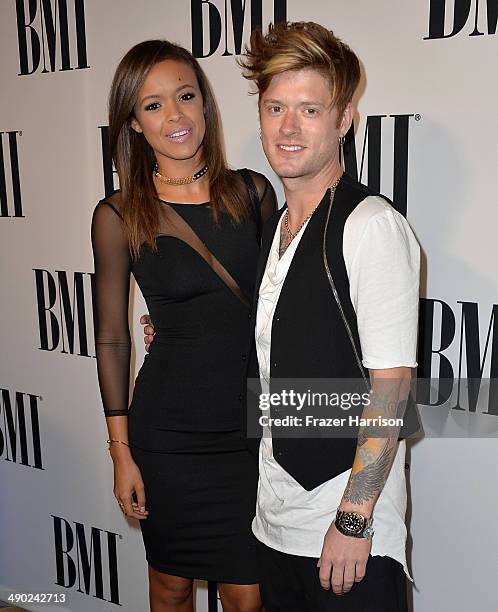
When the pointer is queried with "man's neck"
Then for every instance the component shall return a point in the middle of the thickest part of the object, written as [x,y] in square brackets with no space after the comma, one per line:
[303,194]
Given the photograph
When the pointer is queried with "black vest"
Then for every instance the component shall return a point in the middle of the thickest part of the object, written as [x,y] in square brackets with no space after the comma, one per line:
[309,338]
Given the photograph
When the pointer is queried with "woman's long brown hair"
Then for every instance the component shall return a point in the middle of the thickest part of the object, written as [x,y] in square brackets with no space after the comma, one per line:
[134,158]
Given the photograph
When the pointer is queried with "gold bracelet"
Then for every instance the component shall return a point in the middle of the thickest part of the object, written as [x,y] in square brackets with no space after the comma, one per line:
[112,440]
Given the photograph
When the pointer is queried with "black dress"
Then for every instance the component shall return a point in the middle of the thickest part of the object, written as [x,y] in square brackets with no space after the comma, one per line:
[185,418]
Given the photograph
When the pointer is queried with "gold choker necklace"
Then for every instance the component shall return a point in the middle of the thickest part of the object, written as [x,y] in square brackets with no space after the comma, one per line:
[184,180]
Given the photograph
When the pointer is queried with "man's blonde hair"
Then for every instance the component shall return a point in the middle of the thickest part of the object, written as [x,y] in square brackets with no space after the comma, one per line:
[300,45]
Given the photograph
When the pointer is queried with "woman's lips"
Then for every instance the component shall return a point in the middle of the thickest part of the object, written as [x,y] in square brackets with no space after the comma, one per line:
[180,135]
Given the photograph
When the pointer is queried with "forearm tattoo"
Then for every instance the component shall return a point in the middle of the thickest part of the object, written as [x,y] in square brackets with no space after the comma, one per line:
[362,438]
[367,482]
[376,446]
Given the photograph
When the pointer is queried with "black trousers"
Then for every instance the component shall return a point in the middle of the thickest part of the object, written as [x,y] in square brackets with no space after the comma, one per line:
[290,584]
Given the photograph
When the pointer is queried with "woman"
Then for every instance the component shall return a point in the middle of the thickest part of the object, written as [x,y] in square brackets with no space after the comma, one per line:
[187,228]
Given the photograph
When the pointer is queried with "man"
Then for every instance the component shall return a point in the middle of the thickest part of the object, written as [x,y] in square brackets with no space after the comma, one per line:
[306,78]
[317,497]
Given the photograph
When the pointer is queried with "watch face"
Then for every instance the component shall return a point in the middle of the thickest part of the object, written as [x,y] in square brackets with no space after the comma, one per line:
[352,522]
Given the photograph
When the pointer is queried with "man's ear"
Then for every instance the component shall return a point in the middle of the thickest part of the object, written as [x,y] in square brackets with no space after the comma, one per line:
[135,125]
[347,119]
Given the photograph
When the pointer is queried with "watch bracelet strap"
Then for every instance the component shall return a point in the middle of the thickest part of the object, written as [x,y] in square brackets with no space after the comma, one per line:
[347,532]
[350,533]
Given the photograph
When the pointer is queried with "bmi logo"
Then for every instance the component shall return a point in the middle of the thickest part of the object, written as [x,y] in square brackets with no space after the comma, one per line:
[10,182]
[65,311]
[108,167]
[375,153]
[438,330]
[220,24]
[86,559]
[20,428]
[51,35]
[479,17]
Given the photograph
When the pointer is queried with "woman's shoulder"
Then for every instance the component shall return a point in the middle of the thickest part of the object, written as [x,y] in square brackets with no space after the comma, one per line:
[108,231]
[257,176]
[260,181]
[107,217]
[111,202]
[265,191]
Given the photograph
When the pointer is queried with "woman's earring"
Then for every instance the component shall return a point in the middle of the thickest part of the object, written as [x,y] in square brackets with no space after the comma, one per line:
[260,135]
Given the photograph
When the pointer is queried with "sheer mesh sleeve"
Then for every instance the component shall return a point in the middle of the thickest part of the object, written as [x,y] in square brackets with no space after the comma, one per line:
[112,283]
[267,197]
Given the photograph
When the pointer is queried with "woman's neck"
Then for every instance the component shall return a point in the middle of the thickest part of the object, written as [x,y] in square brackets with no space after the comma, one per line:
[194,192]
[180,168]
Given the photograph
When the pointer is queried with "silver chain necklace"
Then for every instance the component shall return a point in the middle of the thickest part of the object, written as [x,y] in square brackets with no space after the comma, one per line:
[291,234]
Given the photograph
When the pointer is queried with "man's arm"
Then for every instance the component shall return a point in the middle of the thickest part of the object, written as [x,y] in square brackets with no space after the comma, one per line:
[377,445]
[344,557]
[382,260]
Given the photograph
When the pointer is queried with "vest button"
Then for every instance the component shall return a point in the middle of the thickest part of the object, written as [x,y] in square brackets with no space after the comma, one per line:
[240,397]
[244,356]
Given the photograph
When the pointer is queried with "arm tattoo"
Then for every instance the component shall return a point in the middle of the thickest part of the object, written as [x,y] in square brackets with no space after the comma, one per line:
[362,438]
[373,461]
[368,482]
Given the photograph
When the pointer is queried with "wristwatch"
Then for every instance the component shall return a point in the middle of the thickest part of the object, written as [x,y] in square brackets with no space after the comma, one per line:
[354,524]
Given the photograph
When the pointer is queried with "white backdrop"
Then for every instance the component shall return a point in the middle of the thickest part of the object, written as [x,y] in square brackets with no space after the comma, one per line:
[429,67]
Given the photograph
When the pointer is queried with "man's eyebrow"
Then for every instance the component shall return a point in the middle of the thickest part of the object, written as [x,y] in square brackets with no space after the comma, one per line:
[311,103]
[272,101]
[184,86]
[303,103]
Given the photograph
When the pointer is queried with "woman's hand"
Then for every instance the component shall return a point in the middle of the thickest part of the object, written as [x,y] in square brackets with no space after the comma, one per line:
[128,482]
[148,330]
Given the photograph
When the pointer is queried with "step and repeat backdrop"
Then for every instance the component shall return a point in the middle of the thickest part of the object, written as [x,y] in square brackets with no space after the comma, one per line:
[425,134]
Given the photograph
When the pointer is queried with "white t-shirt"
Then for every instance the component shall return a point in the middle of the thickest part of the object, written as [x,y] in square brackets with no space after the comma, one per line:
[382,260]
